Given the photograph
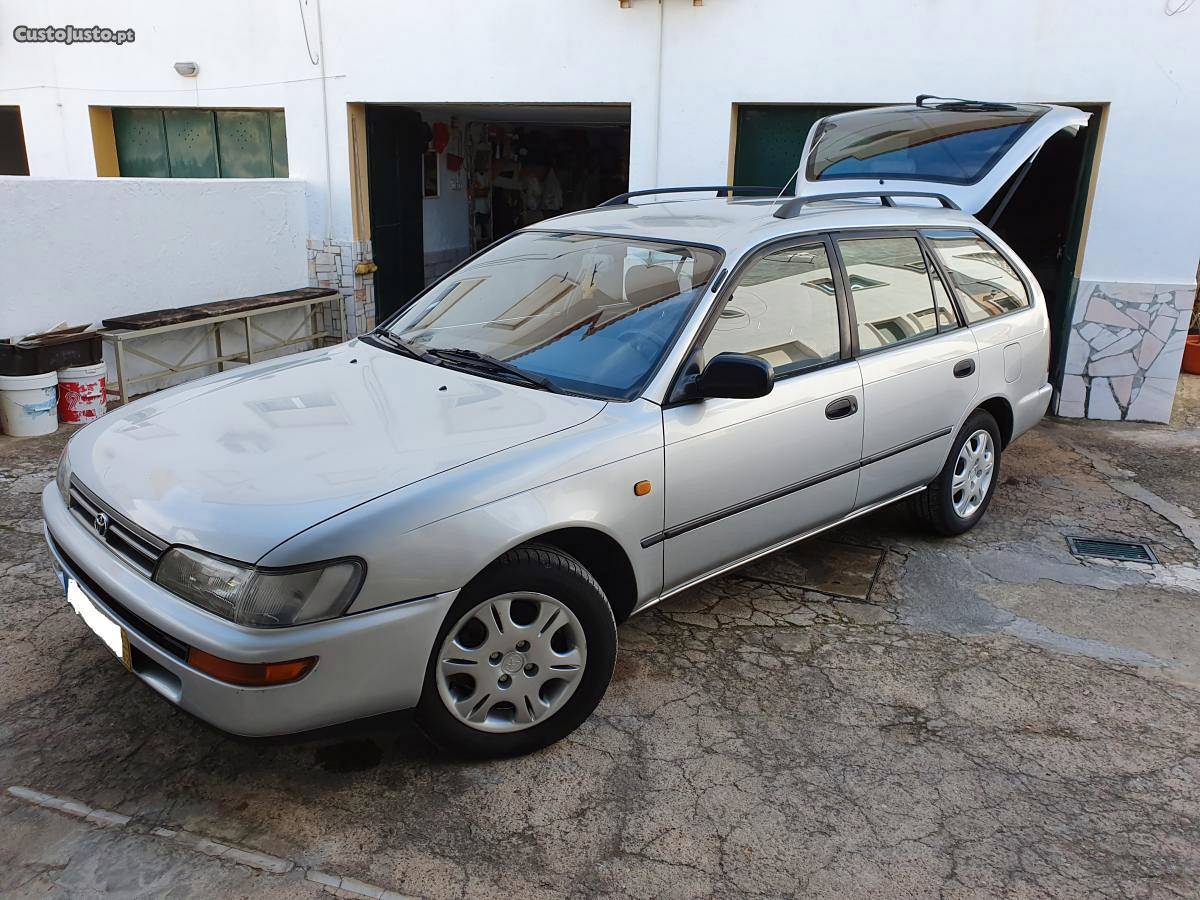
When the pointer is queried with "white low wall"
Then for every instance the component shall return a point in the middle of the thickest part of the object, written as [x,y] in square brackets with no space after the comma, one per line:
[86,249]
[83,250]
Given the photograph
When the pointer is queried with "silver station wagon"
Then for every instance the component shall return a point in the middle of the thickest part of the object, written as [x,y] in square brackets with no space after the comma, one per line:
[454,511]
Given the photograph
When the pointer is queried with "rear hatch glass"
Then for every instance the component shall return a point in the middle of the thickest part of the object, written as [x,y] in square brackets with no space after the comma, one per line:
[947,144]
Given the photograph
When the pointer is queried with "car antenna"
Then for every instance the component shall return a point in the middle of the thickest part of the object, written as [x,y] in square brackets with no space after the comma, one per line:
[775,202]
[795,175]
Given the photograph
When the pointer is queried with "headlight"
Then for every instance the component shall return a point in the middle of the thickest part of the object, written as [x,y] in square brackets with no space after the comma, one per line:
[63,476]
[266,598]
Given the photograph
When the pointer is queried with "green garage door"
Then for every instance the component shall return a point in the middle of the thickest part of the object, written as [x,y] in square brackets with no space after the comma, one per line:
[770,140]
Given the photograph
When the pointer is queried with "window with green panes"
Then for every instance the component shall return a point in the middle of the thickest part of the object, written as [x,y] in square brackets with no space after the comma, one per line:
[200,143]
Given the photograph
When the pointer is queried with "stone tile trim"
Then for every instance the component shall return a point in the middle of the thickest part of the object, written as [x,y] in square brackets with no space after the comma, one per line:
[341,886]
[331,264]
[1124,349]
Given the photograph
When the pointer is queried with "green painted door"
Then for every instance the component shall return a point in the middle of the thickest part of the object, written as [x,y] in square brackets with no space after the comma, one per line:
[770,140]
[191,143]
[244,138]
[141,142]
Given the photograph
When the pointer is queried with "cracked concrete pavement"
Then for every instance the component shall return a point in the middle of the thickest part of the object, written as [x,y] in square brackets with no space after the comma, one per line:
[877,713]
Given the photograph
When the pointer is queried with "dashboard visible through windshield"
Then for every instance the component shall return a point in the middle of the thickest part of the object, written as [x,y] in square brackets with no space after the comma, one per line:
[581,313]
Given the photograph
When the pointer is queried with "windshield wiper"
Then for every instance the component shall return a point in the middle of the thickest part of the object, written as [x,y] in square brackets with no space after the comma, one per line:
[483,361]
[387,339]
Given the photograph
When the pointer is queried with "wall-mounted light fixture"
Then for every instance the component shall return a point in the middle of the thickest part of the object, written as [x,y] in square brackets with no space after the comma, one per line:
[187,69]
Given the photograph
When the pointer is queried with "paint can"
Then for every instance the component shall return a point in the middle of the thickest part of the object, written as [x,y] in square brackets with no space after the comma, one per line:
[81,393]
[29,404]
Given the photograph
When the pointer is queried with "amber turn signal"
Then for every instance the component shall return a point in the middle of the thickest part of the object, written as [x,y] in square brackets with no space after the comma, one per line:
[641,489]
[250,674]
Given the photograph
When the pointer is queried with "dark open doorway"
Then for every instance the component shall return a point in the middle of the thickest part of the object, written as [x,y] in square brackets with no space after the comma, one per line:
[445,180]
[1043,219]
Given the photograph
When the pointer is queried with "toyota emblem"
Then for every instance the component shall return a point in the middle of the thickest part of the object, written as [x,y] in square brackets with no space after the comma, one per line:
[101,523]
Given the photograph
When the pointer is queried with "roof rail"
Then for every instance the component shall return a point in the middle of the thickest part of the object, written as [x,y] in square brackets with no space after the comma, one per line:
[755,190]
[792,207]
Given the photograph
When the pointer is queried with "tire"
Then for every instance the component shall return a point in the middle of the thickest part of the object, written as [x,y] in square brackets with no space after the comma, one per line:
[945,509]
[542,600]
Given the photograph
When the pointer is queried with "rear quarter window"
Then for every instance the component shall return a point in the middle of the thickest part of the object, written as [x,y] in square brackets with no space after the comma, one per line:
[984,282]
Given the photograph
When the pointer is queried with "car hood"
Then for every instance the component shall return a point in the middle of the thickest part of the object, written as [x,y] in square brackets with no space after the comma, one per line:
[236,463]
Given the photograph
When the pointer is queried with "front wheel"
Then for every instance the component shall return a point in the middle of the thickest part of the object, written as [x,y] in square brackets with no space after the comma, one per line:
[524,656]
[956,500]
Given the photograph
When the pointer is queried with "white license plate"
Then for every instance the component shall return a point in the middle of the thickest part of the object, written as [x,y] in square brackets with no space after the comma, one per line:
[104,628]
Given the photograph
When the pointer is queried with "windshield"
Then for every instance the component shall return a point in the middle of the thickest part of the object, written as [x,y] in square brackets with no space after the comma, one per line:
[591,315]
[949,143]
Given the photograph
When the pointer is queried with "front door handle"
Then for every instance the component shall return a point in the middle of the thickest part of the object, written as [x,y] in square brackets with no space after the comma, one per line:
[963,368]
[841,407]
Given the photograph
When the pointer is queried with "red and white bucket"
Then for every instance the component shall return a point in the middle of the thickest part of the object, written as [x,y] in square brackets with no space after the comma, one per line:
[82,394]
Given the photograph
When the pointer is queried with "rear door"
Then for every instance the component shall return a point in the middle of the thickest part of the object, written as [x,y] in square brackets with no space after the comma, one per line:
[918,364]
[964,150]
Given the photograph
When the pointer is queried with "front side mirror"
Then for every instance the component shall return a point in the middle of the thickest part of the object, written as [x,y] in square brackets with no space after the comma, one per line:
[734,375]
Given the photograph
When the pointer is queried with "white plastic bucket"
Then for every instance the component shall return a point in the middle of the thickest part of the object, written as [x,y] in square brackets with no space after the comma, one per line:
[81,393]
[29,404]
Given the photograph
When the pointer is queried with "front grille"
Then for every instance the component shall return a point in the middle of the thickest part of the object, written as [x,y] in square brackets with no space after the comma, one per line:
[1120,550]
[133,544]
[131,621]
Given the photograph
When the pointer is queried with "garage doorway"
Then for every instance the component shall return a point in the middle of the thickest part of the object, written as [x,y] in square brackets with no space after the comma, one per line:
[1043,220]
[445,180]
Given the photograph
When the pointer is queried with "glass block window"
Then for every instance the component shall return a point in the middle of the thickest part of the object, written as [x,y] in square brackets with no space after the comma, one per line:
[200,143]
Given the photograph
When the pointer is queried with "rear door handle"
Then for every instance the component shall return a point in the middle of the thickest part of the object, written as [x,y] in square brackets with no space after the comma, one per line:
[963,368]
[841,407]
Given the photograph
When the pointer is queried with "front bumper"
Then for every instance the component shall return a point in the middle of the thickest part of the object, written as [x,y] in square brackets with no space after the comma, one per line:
[368,663]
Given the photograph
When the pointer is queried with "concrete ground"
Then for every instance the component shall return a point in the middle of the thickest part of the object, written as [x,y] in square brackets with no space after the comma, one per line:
[874,714]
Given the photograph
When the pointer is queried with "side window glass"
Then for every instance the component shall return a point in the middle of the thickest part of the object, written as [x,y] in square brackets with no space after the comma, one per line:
[985,283]
[947,318]
[783,310]
[892,295]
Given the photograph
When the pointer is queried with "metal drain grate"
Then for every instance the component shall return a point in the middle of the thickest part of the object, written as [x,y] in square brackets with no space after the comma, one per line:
[1122,550]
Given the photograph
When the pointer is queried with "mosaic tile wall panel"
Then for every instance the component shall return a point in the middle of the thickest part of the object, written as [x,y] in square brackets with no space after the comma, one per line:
[332,264]
[1124,351]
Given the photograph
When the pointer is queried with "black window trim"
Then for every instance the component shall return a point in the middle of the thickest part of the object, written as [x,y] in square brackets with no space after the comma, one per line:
[1030,295]
[847,319]
[851,234]
[932,260]
[727,285]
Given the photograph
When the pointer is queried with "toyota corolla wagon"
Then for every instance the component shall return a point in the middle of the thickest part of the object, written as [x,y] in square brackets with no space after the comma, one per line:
[454,511]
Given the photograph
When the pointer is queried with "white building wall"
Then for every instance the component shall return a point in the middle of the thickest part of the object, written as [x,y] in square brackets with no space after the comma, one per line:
[83,250]
[1142,232]
[89,249]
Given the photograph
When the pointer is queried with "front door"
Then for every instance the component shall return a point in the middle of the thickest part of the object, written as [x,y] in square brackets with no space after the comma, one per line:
[919,365]
[744,475]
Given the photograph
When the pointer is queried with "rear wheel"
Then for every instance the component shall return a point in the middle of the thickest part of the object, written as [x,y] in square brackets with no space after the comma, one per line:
[956,500]
[524,656]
